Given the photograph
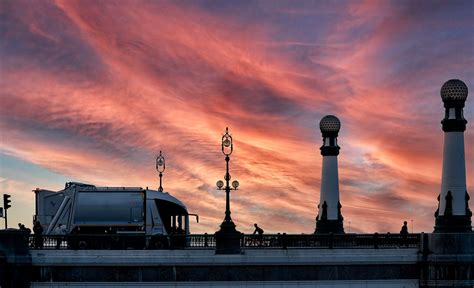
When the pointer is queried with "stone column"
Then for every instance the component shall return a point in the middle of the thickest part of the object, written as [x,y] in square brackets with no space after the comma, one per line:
[453,214]
[329,219]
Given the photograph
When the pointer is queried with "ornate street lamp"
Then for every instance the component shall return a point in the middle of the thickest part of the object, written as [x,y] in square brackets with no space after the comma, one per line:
[227,238]
[227,149]
[160,167]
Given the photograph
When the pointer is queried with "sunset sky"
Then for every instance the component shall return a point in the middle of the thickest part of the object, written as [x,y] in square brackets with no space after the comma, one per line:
[91,91]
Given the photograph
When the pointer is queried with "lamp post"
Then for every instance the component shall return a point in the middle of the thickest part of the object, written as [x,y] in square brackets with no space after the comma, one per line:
[160,167]
[227,238]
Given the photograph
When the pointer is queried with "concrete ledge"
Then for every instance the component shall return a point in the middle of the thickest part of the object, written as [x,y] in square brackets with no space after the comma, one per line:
[208,257]
[451,243]
[449,283]
[250,284]
[456,258]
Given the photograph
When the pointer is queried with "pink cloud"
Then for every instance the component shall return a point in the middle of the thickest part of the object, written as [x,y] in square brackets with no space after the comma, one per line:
[147,76]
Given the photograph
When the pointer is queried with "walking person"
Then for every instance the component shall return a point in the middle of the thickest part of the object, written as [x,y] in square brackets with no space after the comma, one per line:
[38,231]
[404,233]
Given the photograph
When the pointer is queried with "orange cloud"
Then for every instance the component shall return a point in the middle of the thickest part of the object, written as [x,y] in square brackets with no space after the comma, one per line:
[93,90]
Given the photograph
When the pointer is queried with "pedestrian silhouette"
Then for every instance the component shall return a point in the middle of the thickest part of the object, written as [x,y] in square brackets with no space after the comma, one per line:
[404,233]
[23,228]
[38,231]
[404,230]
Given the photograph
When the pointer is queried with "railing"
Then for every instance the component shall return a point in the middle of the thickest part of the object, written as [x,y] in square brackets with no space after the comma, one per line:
[116,242]
[330,241]
[207,241]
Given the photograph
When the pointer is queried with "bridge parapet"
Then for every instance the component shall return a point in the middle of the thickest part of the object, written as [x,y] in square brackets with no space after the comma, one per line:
[204,266]
[418,260]
[208,241]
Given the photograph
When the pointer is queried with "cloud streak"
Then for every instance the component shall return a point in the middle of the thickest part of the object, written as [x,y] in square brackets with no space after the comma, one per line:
[93,90]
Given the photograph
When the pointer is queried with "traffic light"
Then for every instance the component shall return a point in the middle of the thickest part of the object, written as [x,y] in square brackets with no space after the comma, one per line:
[6,201]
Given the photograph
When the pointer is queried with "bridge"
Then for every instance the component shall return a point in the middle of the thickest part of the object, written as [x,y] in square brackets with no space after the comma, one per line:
[348,260]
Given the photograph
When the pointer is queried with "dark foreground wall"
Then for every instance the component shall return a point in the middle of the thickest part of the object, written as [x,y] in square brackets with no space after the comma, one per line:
[226,273]
[15,259]
[447,260]
[258,265]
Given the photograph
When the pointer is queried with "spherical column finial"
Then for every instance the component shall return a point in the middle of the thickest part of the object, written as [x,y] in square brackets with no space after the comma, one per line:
[454,91]
[330,126]
[454,94]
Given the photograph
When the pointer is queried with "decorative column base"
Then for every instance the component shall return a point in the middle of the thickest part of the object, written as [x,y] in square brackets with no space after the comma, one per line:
[449,223]
[324,226]
[228,239]
[452,224]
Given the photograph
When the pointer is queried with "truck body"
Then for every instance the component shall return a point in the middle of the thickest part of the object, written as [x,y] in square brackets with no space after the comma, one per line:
[87,209]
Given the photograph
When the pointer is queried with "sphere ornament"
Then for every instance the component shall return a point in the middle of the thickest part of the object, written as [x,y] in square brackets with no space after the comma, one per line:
[454,90]
[330,124]
[235,184]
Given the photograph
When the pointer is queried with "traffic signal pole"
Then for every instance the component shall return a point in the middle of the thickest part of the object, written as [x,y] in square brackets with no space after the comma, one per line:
[6,205]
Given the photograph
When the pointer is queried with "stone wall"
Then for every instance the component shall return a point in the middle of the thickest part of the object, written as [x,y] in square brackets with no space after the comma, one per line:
[255,265]
[447,260]
[444,260]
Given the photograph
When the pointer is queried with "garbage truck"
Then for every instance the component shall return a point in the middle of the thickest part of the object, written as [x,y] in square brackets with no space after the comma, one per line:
[129,212]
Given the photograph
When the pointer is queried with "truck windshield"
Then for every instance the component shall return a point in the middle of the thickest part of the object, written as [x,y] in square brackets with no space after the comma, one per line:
[173,216]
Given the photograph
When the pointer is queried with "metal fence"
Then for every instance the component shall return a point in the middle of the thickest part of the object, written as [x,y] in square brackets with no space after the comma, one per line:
[330,241]
[208,241]
[117,242]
